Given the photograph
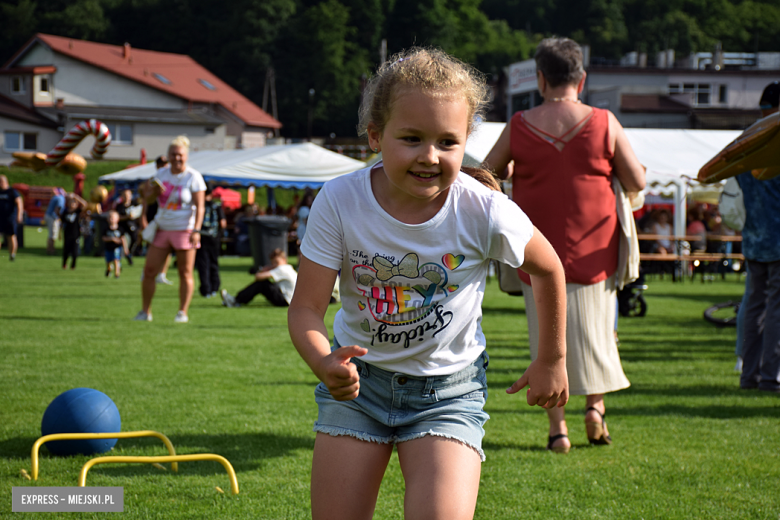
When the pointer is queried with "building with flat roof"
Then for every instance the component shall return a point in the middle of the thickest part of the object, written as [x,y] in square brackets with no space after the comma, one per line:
[716,90]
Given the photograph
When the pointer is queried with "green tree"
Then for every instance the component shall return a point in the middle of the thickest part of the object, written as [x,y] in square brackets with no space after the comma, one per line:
[317,50]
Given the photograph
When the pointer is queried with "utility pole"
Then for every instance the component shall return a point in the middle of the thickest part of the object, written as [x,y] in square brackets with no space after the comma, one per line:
[311,111]
[270,86]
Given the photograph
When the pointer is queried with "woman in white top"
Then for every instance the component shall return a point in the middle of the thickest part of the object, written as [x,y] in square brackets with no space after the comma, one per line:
[180,193]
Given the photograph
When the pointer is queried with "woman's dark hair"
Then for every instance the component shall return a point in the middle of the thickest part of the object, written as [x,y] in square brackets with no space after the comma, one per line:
[560,60]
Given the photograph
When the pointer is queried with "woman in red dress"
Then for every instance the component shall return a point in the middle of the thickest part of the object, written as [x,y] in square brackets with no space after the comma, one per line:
[561,156]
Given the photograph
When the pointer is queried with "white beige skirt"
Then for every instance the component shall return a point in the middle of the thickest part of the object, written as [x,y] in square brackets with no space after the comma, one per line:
[592,359]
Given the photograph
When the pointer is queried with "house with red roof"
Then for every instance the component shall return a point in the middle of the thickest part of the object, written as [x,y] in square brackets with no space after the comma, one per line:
[145,97]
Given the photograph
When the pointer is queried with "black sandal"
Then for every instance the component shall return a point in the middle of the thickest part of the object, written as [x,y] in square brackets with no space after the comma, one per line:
[557,449]
[597,430]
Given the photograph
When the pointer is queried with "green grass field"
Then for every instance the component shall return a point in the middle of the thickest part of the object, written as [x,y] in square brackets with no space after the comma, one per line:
[687,442]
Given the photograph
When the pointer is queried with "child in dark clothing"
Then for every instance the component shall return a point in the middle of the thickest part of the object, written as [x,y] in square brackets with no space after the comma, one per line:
[114,243]
[71,230]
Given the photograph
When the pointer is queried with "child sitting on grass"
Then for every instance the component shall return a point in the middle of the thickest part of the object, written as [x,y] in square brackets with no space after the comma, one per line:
[276,282]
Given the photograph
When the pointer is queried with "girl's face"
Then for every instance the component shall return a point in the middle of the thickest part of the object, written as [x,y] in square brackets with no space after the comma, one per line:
[422,146]
[113,220]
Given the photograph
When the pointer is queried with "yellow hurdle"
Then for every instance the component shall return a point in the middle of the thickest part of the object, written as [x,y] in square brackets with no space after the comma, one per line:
[169,458]
[111,435]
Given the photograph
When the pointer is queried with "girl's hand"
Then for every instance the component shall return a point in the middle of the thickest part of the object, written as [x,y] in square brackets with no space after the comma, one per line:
[548,384]
[195,238]
[339,375]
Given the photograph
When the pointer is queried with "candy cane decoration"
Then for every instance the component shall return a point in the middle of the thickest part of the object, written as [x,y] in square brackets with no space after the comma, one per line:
[75,136]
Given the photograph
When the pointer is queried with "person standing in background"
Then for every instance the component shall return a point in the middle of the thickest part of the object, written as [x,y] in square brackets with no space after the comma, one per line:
[180,194]
[11,212]
[71,229]
[207,257]
[562,156]
[52,218]
[147,215]
[761,248]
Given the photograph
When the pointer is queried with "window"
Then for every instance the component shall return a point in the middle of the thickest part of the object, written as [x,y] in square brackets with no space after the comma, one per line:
[120,134]
[206,84]
[703,94]
[44,84]
[162,79]
[20,141]
[17,85]
[723,94]
[700,91]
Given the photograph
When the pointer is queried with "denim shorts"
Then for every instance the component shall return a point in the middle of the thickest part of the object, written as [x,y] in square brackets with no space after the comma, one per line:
[112,253]
[393,407]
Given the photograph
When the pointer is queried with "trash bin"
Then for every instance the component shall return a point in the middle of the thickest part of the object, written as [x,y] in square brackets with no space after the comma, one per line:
[267,233]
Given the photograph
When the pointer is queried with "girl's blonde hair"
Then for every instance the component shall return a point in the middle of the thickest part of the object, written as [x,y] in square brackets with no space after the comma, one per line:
[182,141]
[432,71]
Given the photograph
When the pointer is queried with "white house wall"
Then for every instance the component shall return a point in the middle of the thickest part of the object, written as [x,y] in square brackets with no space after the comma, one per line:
[742,91]
[635,83]
[47,138]
[23,98]
[155,138]
[102,87]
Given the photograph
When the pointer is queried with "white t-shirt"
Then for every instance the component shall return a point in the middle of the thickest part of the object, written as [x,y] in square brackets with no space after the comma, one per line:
[176,210]
[284,277]
[412,293]
[665,230]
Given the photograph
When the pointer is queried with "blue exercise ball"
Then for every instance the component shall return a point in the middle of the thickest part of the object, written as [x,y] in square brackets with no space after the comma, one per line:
[81,410]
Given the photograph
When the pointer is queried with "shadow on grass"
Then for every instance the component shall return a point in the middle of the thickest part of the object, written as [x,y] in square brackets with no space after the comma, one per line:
[487,311]
[48,318]
[245,451]
[492,447]
[771,410]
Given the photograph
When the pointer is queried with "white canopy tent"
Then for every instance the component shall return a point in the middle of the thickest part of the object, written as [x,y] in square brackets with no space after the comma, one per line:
[280,166]
[672,157]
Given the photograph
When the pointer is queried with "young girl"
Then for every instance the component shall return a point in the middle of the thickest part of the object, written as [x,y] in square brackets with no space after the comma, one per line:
[413,237]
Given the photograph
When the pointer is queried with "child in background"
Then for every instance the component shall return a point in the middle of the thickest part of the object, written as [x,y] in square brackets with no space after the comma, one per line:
[413,238]
[114,244]
[207,257]
[276,282]
[71,229]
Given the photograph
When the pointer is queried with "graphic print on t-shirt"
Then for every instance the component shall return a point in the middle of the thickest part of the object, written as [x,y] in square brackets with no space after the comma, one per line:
[404,293]
[170,198]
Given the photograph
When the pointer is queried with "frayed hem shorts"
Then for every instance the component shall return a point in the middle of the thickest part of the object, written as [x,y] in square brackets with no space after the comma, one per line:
[393,407]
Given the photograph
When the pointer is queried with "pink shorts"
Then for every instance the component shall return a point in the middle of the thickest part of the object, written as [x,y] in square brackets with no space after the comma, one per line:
[177,240]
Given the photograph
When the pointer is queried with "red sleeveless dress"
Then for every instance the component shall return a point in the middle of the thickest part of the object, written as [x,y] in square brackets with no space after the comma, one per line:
[568,195]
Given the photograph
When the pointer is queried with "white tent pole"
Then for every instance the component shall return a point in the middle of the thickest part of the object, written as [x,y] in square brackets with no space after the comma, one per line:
[680,221]
[680,213]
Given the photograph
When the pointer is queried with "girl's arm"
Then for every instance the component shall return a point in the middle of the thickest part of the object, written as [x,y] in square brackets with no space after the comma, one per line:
[546,377]
[305,320]
[499,158]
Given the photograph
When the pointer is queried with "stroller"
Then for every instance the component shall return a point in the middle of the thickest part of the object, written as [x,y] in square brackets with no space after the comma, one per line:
[630,300]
